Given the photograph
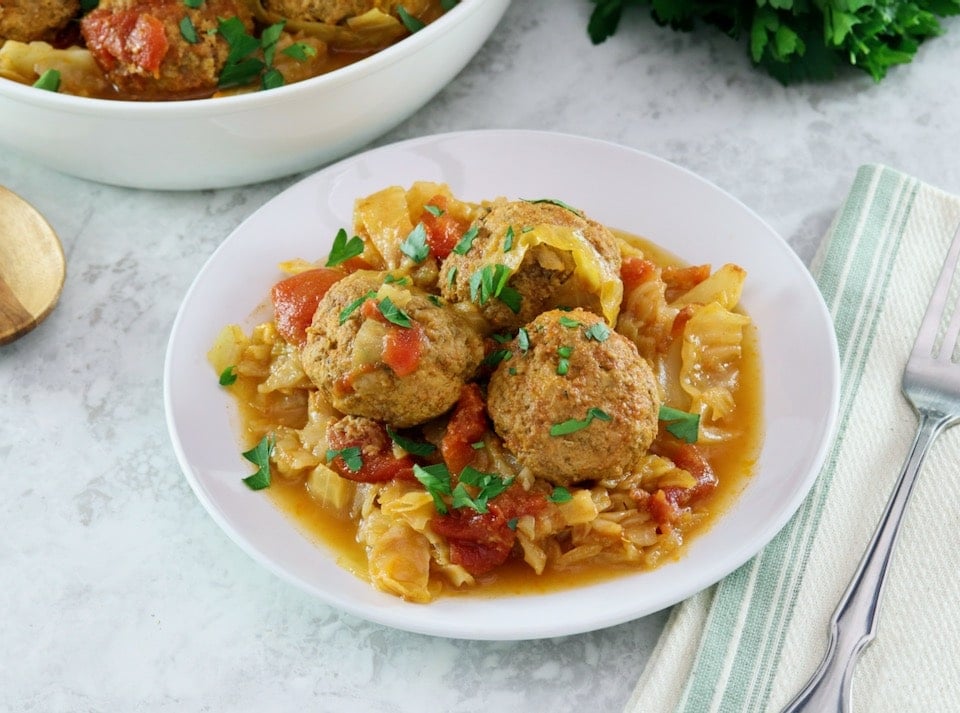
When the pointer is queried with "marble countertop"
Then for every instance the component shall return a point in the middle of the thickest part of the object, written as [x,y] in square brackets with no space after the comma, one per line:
[120,593]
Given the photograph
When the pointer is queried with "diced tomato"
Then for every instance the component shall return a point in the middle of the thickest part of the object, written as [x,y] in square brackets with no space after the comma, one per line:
[516,502]
[467,425]
[403,348]
[295,299]
[127,36]
[685,278]
[680,321]
[662,510]
[635,271]
[479,542]
[353,264]
[690,458]
[443,231]
[378,464]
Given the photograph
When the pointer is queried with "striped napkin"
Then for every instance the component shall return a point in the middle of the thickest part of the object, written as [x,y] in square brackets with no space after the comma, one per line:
[751,641]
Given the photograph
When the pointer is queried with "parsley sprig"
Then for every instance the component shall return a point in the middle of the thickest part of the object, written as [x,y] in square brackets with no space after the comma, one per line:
[796,40]
[259,455]
[683,425]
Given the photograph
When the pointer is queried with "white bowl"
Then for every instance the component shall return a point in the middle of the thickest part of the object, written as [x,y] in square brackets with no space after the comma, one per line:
[229,141]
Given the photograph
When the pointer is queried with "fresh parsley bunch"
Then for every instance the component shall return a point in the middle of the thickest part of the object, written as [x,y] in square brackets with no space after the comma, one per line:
[798,40]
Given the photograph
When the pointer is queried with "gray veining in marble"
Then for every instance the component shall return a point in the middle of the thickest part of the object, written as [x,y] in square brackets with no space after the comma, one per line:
[119,593]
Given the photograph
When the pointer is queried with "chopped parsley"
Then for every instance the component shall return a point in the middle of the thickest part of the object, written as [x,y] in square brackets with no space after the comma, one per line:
[553,201]
[392,279]
[228,376]
[489,486]
[415,245]
[573,425]
[436,479]
[599,332]
[466,241]
[495,357]
[193,4]
[433,210]
[560,495]
[568,322]
[350,457]
[250,58]
[259,455]
[563,363]
[344,249]
[393,314]
[300,51]
[491,281]
[188,31]
[413,24]
[49,80]
[523,339]
[683,425]
[508,239]
[354,306]
[416,448]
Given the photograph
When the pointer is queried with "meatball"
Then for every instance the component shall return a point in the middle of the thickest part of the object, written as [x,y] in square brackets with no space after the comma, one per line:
[577,402]
[329,12]
[367,365]
[544,277]
[29,20]
[158,49]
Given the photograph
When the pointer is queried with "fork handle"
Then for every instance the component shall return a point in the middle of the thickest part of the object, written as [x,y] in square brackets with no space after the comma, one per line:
[853,624]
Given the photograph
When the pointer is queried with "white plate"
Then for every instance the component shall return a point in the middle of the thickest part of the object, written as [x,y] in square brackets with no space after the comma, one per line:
[618,186]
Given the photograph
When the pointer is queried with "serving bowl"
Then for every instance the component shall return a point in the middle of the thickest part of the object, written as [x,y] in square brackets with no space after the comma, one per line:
[247,138]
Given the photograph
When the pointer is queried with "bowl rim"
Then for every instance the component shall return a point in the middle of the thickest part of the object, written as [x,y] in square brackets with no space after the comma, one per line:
[455,16]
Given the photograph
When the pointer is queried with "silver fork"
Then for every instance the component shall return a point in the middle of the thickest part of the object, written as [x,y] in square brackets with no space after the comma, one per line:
[931,383]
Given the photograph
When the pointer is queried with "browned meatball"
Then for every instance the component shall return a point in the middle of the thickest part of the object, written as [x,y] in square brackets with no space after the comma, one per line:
[330,12]
[157,49]
[524,238]
[367,365]
[29,20]
[578,403]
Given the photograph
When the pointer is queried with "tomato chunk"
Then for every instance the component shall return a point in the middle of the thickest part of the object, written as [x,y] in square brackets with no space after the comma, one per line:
[635,271]
[443,231]
[479,542]
[403,347]
[295,299]
[127,36]
[467,425]
[377,462]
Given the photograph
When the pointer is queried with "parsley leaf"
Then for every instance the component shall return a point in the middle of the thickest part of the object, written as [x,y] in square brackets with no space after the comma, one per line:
[393,314]
[573,425]
[351,457]
[491,281]
[49,80]
[553,201]
[354,306]
[344,249]
[683,425]
[560,495]
[413,24]
[489,486]
[415,245]
[188,31]
[259,455]
[416,448]
[228,376]
[599,332]
[466,241]
[433,210]
[436,479]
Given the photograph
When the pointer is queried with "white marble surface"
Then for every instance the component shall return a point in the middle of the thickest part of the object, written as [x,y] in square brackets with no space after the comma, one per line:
[119,593]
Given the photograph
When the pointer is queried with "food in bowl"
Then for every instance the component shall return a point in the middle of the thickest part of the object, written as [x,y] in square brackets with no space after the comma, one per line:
[191,49]
[601,415]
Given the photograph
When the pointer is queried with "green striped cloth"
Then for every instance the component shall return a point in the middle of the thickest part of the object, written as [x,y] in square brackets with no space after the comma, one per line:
[751,641]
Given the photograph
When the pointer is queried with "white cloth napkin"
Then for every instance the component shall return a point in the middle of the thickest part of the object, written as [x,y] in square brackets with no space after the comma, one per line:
[751,641]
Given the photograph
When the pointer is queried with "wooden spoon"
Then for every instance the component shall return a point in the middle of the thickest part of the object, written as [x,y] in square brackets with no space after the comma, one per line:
[32,267]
